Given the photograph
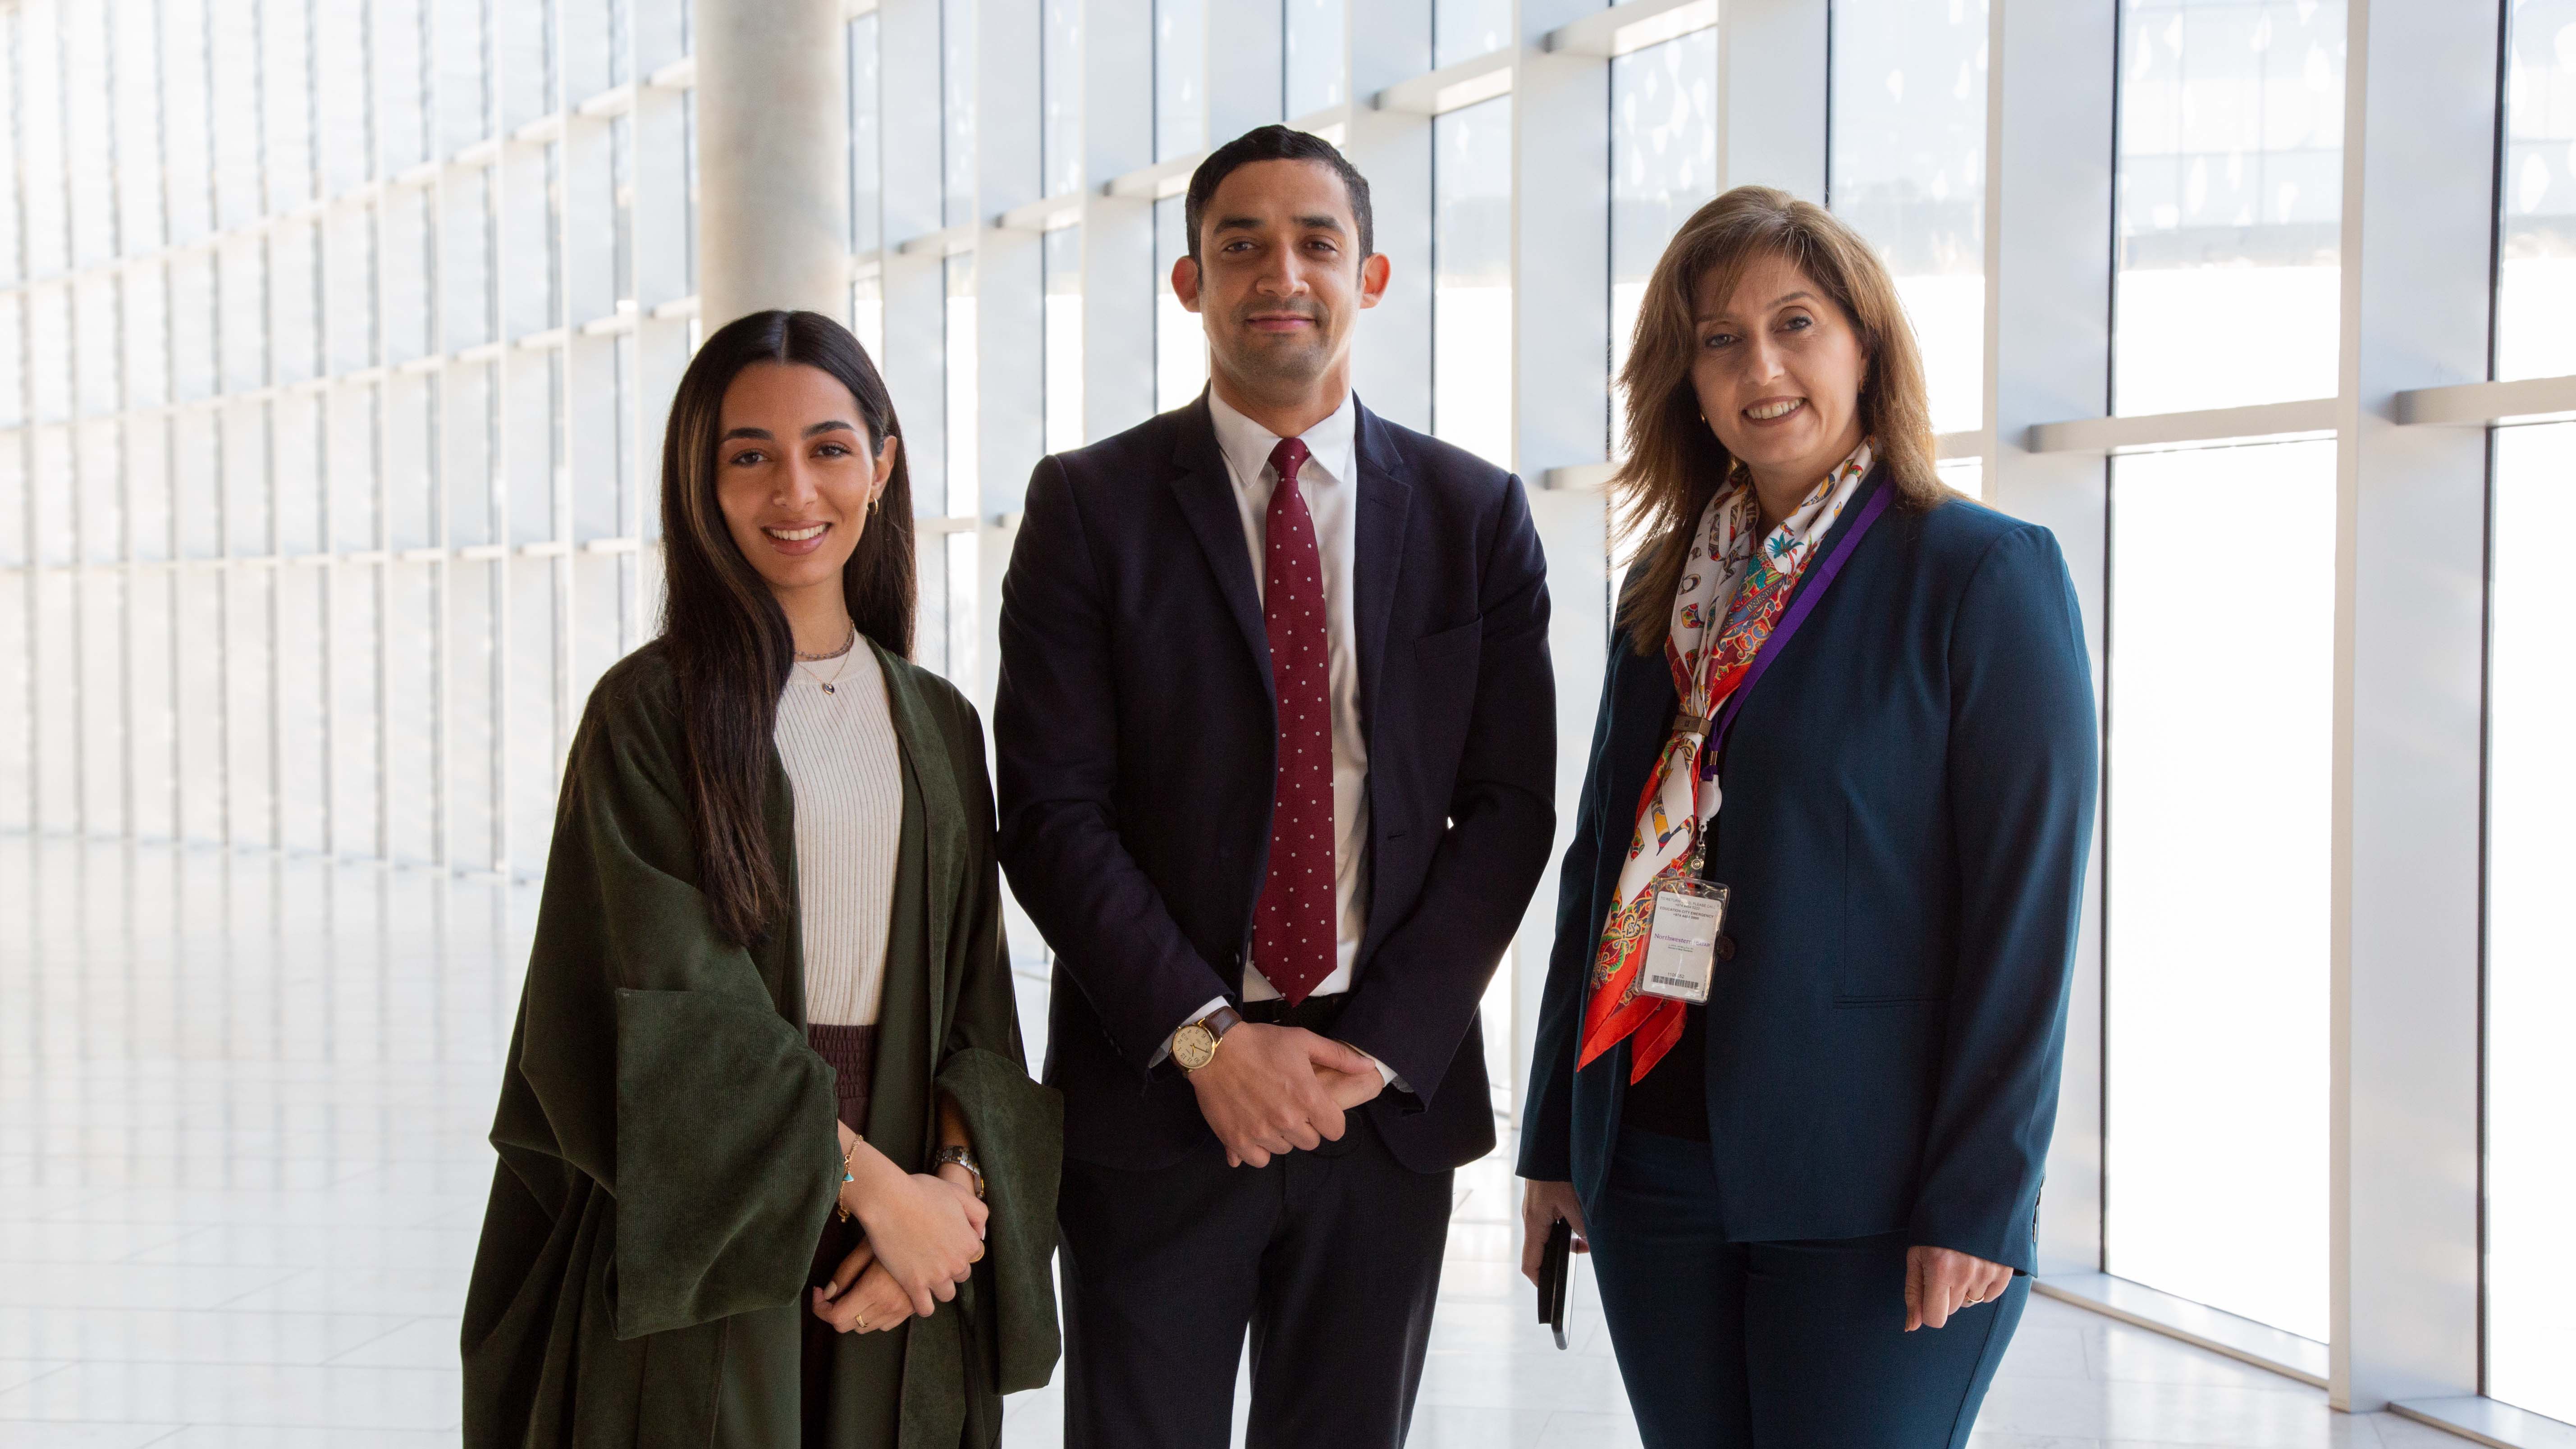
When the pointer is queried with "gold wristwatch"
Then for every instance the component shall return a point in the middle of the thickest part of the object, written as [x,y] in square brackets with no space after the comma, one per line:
[1194,1045]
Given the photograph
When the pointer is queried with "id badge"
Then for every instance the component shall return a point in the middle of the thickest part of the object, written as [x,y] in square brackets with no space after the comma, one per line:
[1681,940]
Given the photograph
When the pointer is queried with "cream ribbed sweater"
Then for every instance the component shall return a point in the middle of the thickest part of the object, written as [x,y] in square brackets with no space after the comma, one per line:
[845,771]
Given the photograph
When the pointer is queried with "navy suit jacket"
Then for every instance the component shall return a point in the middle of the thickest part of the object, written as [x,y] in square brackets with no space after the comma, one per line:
[1137,733]
[1909,797]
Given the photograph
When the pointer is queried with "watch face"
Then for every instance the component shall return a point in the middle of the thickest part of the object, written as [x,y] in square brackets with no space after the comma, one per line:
[1193,1046]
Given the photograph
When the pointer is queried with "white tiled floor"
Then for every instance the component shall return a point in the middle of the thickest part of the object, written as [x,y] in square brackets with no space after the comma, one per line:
[242,1107]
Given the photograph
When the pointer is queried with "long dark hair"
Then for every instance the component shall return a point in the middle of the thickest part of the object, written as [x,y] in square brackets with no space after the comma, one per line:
[727,639]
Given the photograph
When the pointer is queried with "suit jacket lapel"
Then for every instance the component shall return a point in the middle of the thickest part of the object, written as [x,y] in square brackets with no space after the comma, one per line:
[1385,503]
[1204,488]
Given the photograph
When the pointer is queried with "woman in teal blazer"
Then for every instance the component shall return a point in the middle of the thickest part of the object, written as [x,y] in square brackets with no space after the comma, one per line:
[1862,704]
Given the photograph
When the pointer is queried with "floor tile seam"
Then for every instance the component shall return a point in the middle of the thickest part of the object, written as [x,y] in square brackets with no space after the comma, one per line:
[166,1309]
[2287,1385]
[407,1225]
[174,1430]
[109,1362]
[204,1363]
[130,1257]
[278,1282]
[335,1359]
[233,1152]
[58,1366]
[235,1424]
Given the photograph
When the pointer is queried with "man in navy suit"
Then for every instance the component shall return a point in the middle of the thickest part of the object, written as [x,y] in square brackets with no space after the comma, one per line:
[1276,730]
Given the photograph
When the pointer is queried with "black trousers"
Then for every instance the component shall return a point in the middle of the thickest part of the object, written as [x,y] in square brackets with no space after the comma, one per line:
[1773,1345]
[1330,1258]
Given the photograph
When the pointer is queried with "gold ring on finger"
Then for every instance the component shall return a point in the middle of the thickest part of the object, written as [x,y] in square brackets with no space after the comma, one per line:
[860,1323]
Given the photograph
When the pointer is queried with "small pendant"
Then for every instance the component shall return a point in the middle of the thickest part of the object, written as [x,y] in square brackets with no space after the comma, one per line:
[827,689]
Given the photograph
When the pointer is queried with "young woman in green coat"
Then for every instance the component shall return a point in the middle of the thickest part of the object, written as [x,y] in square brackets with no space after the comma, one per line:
[772,1168]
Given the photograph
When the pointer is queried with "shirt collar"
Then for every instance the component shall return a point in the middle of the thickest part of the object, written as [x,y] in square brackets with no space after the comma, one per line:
[1247,444]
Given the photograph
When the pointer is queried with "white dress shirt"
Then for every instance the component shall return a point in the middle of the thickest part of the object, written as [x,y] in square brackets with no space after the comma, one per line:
[1329,482]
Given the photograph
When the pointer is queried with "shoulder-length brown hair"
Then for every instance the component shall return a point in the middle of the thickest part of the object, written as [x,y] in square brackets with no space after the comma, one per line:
[727,639]
[1675,463]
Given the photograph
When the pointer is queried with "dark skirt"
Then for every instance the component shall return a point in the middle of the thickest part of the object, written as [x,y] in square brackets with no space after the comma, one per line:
[852,1052]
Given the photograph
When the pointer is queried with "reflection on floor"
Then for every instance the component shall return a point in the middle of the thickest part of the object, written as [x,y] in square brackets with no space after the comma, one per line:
[242,1111]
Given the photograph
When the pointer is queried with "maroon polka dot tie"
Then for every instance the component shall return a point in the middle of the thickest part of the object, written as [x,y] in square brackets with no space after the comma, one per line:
[1292,928]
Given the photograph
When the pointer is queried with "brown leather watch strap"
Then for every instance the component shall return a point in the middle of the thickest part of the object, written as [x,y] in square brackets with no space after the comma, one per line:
[1220,1021]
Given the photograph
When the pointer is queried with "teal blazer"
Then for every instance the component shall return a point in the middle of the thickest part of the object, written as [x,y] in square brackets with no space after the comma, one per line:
[1909,807]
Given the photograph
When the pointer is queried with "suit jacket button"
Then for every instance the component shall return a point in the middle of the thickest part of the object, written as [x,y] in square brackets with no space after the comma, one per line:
[1725,947]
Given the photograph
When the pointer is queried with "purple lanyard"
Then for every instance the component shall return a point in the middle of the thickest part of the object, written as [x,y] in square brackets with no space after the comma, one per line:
[1781,633]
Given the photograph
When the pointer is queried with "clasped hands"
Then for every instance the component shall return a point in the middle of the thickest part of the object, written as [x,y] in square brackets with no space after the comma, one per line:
[1938,1281]
[1273,1089]
[925,1233]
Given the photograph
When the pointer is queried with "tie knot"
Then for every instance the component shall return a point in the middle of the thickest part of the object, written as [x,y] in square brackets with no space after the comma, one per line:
[1287,458]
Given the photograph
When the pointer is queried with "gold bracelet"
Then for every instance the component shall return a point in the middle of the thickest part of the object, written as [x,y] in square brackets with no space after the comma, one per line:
[848,1175]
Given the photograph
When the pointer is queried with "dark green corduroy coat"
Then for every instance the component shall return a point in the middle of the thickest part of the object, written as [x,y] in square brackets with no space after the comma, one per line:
[665,1133]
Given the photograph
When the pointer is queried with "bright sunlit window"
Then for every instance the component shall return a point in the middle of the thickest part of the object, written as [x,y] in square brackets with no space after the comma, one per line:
[1471,300]
[2531,969]
[1909,173]
[2216,861]
[2230,203]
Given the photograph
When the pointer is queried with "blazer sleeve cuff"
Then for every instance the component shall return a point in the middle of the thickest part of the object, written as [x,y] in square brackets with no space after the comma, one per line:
[2009,1242]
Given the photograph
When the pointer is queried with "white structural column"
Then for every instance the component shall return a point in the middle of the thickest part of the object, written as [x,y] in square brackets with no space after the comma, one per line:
[2410,577]
[773,157]
[1560,418]
[2048,347]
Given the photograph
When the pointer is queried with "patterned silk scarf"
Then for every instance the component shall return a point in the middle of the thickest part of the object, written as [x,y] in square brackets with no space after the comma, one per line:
[1681,799]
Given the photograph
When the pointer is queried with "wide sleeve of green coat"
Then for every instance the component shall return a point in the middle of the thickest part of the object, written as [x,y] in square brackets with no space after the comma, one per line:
[652,1056]
[1017,1125]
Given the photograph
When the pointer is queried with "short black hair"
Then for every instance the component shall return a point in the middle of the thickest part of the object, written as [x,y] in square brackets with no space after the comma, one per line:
[1276,143]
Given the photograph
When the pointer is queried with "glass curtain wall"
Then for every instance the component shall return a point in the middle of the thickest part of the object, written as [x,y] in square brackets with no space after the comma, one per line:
[2537,251]
[2217,800]
[2216,875]
[2531,787]
[1063,265]
[1180,343]
[1465,29]
[2531,972]
[1314,67]
[1663,167]
[1909,173]
[1471,299]
[1180,78]
[335,341]
[2230,203]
